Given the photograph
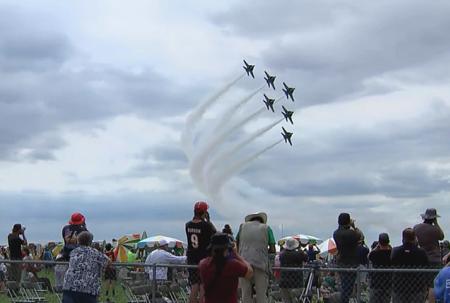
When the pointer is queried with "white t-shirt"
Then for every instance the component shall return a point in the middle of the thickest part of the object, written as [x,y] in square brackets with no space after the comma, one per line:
[160,256]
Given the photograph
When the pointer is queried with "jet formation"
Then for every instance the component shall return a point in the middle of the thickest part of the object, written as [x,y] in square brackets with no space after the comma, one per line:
[288,91]
[269,103]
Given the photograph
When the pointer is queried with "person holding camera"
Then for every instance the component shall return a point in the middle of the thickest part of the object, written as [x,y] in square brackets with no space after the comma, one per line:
[15,241]
[381,282]
[70,232]
[198,232]
[347,238]
[428,234]
[220,272]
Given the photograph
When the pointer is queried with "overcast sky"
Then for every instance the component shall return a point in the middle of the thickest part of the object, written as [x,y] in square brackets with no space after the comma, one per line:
[94,97]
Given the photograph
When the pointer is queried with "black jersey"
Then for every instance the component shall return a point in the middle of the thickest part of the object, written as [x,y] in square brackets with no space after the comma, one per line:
[198,237]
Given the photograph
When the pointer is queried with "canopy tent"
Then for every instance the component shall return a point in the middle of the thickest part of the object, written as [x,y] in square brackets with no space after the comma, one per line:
[327,247]
[304,239]
[124,244]
[150,242]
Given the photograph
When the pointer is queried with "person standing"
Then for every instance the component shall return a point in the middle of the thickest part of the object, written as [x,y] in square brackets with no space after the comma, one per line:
[110,271]
[255,241]
[220,272]
[409,287]
[82,280]
[15,242]
[380,283]
[442,285]
[347,238]
[428,234]
[291,257]
[161,255]
[198,232]
[77,224]
[312,250]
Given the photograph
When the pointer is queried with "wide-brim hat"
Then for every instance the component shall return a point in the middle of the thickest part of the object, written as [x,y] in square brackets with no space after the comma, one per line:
[291,244]
[76,219]
[430,214]
[261,215]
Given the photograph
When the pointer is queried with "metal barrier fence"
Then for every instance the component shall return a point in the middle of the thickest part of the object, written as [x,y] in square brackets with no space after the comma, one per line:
[313,283]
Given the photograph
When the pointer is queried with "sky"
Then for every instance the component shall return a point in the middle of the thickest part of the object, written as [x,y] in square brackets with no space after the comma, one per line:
[95,98]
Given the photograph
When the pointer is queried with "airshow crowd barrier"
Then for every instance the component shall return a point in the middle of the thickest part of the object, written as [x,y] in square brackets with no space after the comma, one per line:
[312,283]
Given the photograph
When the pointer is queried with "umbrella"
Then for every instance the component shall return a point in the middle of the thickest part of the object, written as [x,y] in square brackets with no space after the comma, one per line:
[124,244]
[301,238]
[327,247]
[57,249]
[150,242]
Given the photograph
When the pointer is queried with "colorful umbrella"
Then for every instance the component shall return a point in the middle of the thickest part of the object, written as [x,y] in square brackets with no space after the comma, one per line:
[150,242]
[124,244]
[301,238]
[57,249]
[327,247]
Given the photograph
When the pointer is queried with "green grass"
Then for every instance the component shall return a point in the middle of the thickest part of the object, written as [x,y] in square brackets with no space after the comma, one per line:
[119,297]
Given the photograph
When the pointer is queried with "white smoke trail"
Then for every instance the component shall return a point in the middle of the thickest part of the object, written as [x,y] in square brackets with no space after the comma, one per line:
[234,108]
[224,156]
[187,137]
[198,160]
[235,168]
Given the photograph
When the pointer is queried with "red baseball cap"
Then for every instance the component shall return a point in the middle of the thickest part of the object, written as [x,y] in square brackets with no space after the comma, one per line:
[76,219]
[201,206]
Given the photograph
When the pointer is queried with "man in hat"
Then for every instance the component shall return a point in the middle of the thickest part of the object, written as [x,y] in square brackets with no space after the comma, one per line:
[77,224]
[428,234]
[255,241]
[291,256]
[161,255]
[198,233]
[15,242]
[220,272]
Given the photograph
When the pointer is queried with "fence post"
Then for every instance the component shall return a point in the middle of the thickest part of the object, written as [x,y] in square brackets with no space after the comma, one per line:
[154,283]
[358,284]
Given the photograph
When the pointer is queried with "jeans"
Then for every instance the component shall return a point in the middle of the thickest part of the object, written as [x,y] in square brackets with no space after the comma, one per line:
[78,297]
[347,283]
[261,281]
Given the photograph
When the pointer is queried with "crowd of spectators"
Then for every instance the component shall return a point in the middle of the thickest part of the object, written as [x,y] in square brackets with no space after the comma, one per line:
[225,262]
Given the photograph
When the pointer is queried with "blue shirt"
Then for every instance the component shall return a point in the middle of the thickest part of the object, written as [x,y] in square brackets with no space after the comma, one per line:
[442,286]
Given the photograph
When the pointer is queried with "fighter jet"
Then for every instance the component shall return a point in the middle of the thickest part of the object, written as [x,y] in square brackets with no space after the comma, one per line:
[286,136]
[288,91]
[249,69]
[287,114]
[270,80]
[269,103]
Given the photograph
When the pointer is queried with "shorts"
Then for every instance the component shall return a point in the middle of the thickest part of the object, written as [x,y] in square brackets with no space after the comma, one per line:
[194,276]
[110,273]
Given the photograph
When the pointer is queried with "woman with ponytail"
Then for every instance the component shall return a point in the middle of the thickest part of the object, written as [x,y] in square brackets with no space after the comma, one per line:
[220,272]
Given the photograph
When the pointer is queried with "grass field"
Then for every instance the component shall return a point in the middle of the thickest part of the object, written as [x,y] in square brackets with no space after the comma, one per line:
[119,297]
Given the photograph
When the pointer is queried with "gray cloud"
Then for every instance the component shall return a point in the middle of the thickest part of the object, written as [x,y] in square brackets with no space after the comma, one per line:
[45,88]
